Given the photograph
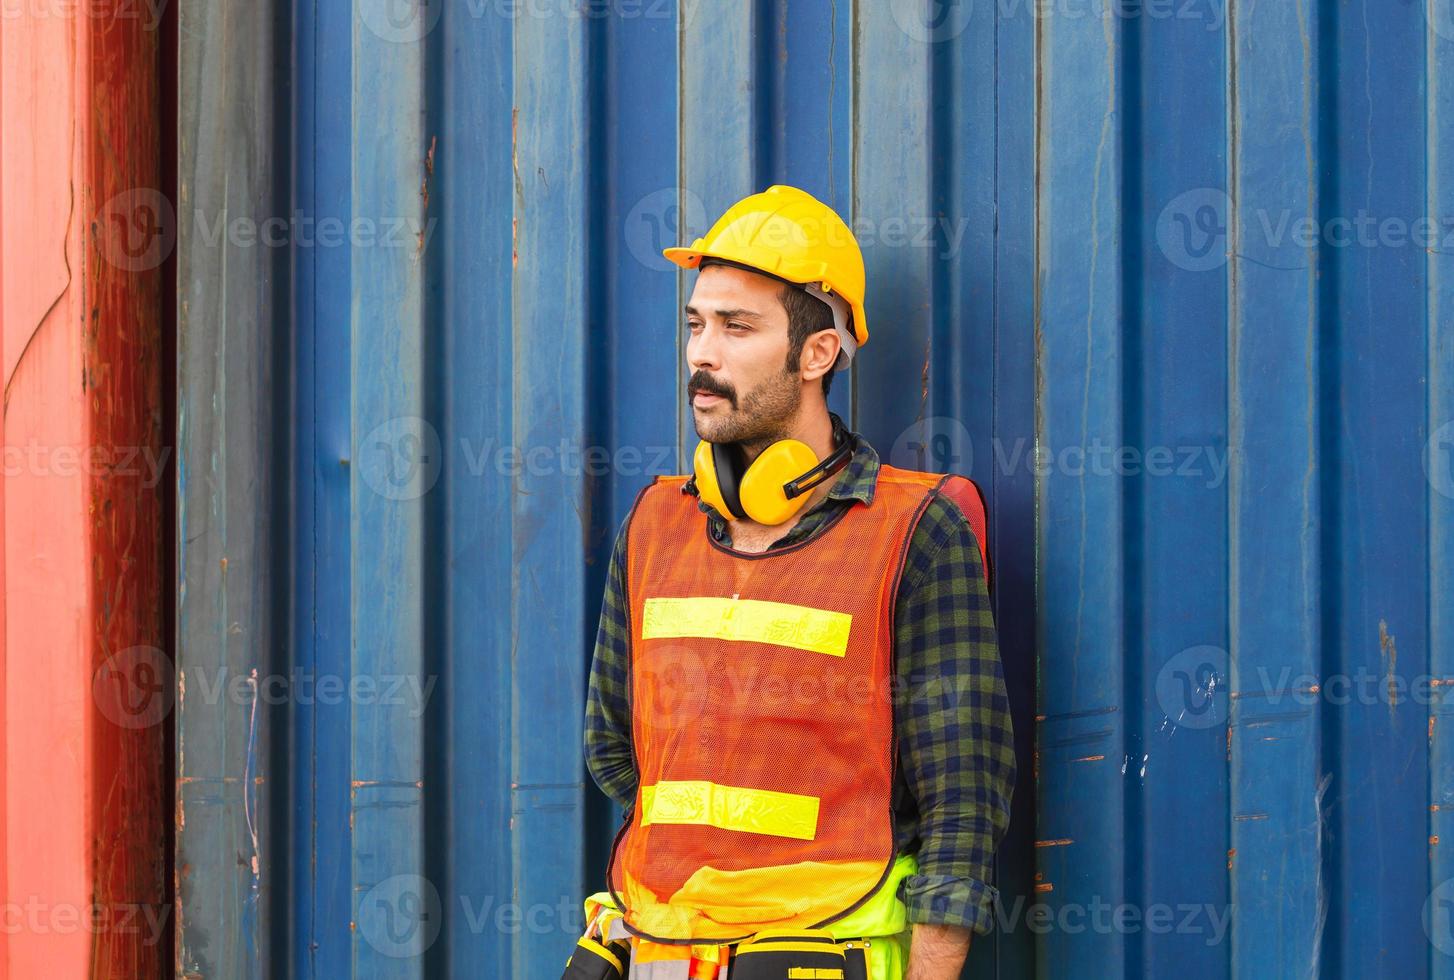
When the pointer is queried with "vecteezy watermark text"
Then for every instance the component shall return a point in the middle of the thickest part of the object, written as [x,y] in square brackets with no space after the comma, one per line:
[147,12]
[36,916]
[137,687]
[1194,688]
[148,463]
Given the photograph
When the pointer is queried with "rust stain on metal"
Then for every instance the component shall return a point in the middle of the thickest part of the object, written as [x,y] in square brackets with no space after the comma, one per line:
[1046,887]
[924,377]
[428,171]
[1389,648]
[225,780]
[1310,689]
[515,169]
[1089,758]
[1231,853]
[1057,842]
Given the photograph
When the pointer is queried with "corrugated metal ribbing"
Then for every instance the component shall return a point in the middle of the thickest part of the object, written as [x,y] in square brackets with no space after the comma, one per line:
[233,517]
[1137,268]
[1439,348]
[1276,773]
[1085,728]
[1235,273]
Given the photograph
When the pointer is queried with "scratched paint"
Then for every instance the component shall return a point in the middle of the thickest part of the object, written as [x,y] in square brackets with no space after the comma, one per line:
[86,830]
[229,629]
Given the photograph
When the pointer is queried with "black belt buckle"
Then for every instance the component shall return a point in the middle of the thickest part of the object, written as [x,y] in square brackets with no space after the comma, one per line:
[779,955]
[772,958]
[855,957]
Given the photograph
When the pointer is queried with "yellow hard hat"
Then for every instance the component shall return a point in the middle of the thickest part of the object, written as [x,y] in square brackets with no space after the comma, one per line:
[788,233]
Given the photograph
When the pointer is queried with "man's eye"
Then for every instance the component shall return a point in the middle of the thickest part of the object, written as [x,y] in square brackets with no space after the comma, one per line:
[737,326]
[693,325]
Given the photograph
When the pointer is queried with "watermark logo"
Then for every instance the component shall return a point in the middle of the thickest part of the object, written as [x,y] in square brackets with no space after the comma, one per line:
[400,21]
[675,684]
[401,916]
[1439,460]
[932,21]
[134,688]
[1192,230]
[137,229]
[1191,688]
[939,444]
[401,458]
[662,219]
[409,21]
[1438,921]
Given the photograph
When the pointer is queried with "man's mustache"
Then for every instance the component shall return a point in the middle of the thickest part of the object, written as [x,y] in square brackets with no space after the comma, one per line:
[707,385]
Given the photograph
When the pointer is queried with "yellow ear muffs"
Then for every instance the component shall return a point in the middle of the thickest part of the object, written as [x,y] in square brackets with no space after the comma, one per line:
[708,489]
[761,494]
[761,490]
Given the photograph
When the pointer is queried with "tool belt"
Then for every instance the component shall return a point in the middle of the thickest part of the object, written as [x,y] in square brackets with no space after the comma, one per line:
[791,955]
[871,943]
[804,955]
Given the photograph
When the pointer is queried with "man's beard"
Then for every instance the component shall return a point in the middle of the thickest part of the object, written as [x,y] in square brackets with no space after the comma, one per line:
[762,418]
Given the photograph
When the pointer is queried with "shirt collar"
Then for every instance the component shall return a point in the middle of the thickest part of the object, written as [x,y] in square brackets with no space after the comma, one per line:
[856,481]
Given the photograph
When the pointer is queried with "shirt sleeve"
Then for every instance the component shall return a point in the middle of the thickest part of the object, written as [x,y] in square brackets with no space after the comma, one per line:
[956,742]
[609,755]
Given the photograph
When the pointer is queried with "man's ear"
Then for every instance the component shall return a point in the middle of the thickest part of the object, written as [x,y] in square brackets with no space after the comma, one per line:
[820,351]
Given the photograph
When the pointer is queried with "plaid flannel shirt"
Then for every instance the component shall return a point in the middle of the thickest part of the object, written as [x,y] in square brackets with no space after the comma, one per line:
[951,712]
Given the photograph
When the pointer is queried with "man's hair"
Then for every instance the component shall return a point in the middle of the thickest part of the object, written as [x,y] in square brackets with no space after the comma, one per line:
[807,315]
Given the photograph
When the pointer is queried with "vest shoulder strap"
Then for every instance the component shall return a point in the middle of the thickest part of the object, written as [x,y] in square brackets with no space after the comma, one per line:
[967,497]
[965,494]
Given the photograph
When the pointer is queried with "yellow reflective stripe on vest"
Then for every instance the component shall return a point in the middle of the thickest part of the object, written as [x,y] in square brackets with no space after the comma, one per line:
[751,811]
[780,623]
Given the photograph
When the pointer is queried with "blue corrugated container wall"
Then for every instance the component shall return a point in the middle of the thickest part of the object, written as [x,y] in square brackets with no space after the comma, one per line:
[1136,268]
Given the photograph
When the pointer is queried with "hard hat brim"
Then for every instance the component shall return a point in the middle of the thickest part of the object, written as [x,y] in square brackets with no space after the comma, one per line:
[687,258]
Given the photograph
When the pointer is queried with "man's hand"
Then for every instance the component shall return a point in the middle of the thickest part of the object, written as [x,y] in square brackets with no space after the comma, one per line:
[937,952]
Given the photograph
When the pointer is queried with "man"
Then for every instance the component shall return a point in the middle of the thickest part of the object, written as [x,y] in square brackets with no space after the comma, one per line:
[775,626]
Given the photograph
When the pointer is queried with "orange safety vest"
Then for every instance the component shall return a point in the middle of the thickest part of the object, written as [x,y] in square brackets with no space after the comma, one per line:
[762,715]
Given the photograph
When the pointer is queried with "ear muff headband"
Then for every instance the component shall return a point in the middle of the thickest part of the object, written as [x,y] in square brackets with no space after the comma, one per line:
[724,465]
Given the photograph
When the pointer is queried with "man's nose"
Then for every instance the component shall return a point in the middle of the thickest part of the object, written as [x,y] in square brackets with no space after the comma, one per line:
[703,350]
